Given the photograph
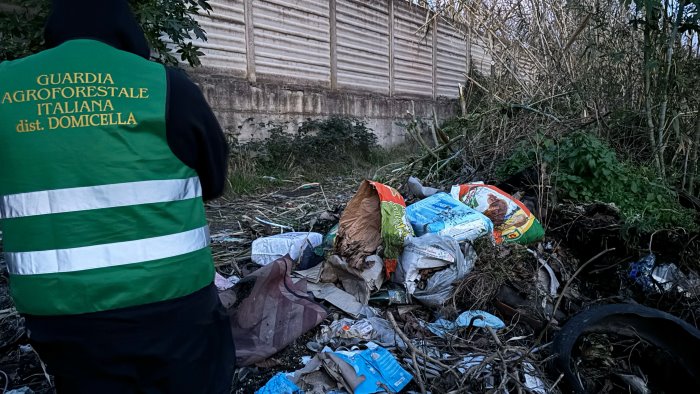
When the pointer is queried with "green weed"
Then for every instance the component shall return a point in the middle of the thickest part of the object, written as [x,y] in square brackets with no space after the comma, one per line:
[584,168]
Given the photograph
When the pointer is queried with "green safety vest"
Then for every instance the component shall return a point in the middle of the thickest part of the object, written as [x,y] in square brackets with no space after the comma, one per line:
[97,213]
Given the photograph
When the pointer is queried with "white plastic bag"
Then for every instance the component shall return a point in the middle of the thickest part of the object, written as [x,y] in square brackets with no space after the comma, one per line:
[433,251]
[268,249]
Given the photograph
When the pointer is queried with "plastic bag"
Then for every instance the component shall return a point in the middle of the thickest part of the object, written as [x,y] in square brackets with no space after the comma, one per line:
[442,214]
[375,216]
[369,329]
[273,313]
[432,251]
[268,249]
[395,226]
[512,221]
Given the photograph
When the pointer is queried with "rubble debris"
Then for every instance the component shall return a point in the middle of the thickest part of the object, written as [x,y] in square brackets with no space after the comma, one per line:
[509,280]
[520,284]
[512,220]
[418,190]
[275,312]
[672,366]
[466,319]
[268,249]
[429,266]
[444,215]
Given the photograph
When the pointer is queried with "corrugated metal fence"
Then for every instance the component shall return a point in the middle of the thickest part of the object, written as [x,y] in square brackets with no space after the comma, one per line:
[384,46]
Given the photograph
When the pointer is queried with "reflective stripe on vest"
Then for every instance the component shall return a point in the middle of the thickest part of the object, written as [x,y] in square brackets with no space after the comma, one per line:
[98,197]
[107,255]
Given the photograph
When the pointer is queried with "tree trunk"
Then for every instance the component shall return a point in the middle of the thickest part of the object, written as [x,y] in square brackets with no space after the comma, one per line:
[647,88]
[665,78]
[694,162]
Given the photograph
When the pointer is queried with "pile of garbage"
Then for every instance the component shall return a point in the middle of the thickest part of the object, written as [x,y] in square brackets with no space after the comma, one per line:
[457,291]
[416,289]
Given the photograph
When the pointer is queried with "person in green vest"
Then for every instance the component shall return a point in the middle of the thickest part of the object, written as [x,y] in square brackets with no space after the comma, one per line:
[105,160]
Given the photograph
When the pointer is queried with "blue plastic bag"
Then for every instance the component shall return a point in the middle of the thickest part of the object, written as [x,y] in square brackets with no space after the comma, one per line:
[380,369]
[279,384]
[444,215]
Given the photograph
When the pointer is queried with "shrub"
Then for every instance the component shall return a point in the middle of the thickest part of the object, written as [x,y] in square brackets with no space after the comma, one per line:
[584,168]
[319,146]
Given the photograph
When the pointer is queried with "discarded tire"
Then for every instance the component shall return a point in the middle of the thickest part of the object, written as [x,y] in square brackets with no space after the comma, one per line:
[662,330]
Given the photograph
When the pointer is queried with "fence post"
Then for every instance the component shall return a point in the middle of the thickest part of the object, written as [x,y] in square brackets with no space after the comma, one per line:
[435,57]
[249,40]
[391,48]
[334,44]
[468,35]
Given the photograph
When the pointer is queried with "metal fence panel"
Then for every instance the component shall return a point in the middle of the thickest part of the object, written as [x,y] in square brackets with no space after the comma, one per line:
[451,59]
[413,51]
[481,57]
[292,39]
[363,44]
[225,47]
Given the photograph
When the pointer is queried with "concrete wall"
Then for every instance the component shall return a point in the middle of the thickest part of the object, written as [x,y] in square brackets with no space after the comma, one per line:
[242,106]
[289,60]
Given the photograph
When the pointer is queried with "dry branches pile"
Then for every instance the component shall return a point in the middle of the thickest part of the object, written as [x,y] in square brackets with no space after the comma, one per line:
[603,67]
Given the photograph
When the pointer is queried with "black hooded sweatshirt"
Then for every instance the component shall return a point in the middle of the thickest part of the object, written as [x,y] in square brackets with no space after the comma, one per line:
[193,133]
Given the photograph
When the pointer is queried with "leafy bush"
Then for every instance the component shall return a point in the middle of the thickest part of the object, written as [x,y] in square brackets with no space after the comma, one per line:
[317,148]
[334,144]
[169,26]
[584,168]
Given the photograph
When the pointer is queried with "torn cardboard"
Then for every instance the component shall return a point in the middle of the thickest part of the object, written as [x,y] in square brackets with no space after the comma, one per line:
[340,299]
[359,283]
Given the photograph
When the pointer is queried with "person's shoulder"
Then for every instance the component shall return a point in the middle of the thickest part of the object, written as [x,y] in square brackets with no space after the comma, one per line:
[181,83]
[10,64]
[179,76]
